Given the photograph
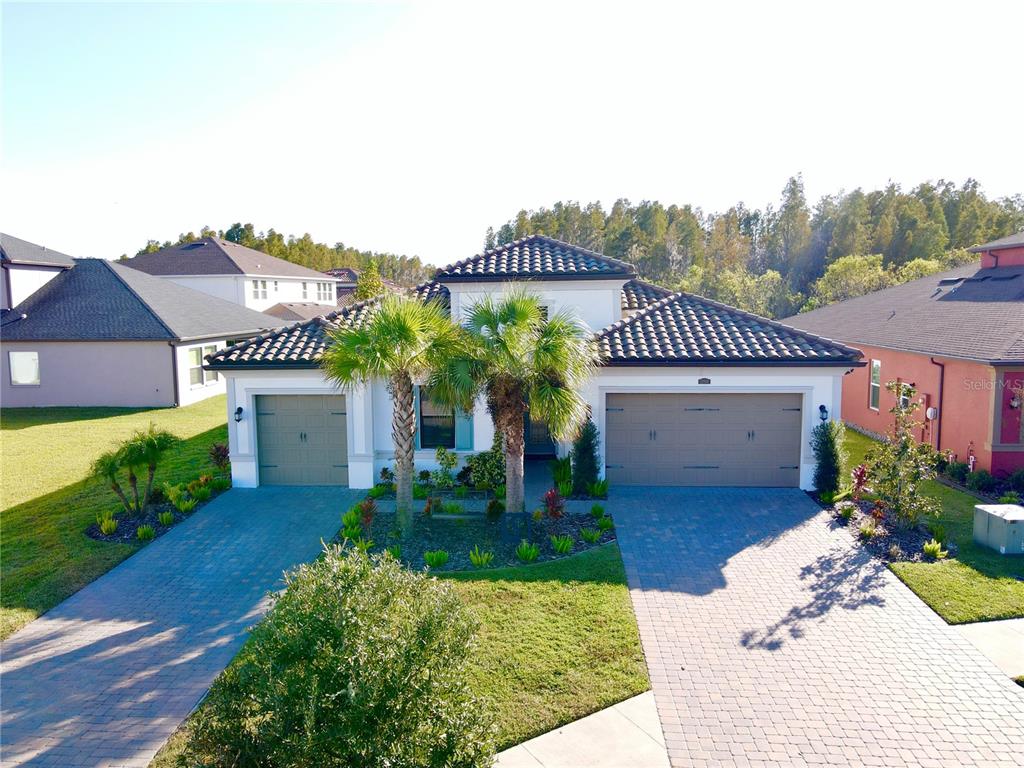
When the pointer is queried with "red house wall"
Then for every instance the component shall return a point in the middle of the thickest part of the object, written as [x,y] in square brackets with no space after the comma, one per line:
[966,415]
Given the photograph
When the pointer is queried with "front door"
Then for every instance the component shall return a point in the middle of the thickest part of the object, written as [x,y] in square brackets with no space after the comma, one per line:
[538,439]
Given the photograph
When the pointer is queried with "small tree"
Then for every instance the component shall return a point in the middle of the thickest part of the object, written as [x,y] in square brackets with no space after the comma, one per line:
[107,465]
[144,450]
[584,458]
[369,283]
[899,465]
[827,444]
[360,662]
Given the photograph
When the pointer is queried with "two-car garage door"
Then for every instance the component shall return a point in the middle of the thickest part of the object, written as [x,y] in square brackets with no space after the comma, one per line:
[703,439]
[301,439]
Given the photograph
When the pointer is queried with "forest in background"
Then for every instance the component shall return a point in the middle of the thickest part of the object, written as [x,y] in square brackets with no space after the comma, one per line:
[775,261]
[789,257]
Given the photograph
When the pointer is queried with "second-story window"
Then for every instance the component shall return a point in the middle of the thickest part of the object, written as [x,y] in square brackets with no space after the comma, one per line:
[305,290]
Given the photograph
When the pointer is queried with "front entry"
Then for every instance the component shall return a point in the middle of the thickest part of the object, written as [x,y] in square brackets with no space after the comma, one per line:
[537,438]
[703,439]
[302,439]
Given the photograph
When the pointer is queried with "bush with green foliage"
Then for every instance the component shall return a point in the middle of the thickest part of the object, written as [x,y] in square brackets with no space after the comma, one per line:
[202,493]
[461,492]
[364,545]
[495,508]
[565,488]
[605,524]
[1010,497]
[145,533]
[827,440]
[186,506]
[895,552]
[106,522]
[981,481]
[537,515]
[387,476]
[596,511]
[166,518]
[480,559]
[561,544]
[378,491]
[561,470]
[351,524]
[452,508]
[527,552]
[1016,480]
[933,550]
[395,551]
[444,476]
[360,662]
[900,465]
[584,459]
[499,491]
[868,529]
[420,492]
[845,510]
[598,489]
[590,535]
[938,531]
[436,558]
[487,468]
[424,476]
[958,471]
[220,483]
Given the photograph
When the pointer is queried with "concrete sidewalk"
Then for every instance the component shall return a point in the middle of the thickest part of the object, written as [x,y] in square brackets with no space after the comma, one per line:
[1001,641]
[626,735]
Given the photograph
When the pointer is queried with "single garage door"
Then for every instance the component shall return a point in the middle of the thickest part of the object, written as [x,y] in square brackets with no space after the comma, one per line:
[302,439]
[698,439]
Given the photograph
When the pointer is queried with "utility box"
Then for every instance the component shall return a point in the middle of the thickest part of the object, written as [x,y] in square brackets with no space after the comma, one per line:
[1001,527]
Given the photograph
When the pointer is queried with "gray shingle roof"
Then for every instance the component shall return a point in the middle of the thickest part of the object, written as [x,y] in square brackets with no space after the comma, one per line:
[216,256]
[683,329]
[968,313]
[536,256]
[291,311]
[18,251]
[1010,241]
[98,300]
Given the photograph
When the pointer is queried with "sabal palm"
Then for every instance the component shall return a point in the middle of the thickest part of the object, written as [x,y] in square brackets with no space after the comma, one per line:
[520,361]
[401,341]
[144,449]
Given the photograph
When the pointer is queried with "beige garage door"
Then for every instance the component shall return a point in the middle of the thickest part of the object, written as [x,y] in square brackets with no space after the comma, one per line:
[691,439]
[302,440]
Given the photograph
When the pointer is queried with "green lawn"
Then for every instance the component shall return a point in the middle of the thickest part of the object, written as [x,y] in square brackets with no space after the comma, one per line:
[557,641]
[48,500]
[980,584]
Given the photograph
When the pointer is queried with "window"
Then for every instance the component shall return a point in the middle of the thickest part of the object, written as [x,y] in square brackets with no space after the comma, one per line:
[197,377]
[24,368]
[323,291]
[275,286]
[305,290]
[437,424]
[875,385]
[259,289]
[904,395]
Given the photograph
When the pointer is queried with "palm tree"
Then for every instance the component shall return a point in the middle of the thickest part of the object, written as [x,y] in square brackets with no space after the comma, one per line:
[144,449]
[107,465]
[401,342]
[521,361]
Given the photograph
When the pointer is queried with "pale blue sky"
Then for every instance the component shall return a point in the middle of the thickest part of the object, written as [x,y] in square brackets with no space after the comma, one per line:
[411,128]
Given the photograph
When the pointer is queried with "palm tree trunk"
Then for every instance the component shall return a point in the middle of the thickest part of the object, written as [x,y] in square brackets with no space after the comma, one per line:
[133,481]
[116,488]
[403,435]
[150,472]
[514,473]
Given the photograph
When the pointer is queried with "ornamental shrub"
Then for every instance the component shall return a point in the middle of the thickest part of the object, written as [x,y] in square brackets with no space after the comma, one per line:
[487,468]
[981,480]
[958,471]
[359,663]
[827,444]
[584,459]
[1016,480]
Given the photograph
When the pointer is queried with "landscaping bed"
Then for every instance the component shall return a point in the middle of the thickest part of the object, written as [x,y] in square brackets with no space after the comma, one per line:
[888,542]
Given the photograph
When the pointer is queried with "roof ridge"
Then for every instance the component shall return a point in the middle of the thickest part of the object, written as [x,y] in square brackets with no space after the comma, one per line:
[109,265]
[537,236]
[642,312]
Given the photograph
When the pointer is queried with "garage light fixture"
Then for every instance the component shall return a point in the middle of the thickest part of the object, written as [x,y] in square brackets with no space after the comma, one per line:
[823,413]
[238,413]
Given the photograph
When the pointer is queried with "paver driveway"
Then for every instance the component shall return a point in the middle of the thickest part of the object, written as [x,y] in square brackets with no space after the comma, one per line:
[104,678]
[772,639]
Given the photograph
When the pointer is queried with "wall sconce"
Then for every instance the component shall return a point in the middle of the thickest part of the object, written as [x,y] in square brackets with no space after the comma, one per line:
[238,413]
[823,413]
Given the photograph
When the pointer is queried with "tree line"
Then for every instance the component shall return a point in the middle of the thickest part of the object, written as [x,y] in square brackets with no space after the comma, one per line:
[787,257]
[405,270]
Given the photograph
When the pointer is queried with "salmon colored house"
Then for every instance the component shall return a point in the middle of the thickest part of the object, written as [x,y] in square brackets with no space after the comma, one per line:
[958,337]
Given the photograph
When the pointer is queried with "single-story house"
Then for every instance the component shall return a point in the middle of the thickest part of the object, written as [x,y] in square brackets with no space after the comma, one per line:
[99,333]
[25,268]
[238,274]
[690,392]
[958,338]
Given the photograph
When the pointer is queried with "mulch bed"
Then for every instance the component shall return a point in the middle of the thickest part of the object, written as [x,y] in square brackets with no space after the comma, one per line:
[127,526]
[458,535]
[909,540]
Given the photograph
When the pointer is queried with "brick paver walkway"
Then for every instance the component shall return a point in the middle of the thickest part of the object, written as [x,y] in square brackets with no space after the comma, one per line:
[104,678]
[772,639]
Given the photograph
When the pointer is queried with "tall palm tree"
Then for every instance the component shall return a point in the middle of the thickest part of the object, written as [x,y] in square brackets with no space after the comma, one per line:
[521,361]
[402,341]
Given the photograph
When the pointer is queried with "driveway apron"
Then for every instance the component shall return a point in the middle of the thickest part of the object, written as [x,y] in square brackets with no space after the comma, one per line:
[105,677]
[773,639]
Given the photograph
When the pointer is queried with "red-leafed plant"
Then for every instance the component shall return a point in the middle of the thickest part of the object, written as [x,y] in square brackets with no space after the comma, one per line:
[878,511]
[220,456]
[859,475]
[367,509]
[554,504]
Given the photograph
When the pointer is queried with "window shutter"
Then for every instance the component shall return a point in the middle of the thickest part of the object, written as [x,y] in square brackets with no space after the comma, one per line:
[463,430]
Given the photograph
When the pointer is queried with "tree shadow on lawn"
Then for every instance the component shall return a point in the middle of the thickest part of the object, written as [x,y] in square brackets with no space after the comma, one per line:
[22,418]
[45,555]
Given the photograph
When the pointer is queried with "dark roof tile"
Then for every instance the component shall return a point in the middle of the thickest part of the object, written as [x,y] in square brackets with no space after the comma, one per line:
[537,256]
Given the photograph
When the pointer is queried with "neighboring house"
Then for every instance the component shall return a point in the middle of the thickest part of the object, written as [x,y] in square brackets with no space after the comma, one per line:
[99,333]
[298,310]
[237,274]
[348,280]
[25,268]
[691,392]
[958,338]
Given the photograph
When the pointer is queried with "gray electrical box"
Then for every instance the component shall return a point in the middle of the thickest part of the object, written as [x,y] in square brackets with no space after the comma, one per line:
[1001,527]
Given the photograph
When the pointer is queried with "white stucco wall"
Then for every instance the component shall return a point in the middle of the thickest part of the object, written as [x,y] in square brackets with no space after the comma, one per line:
[24,281]
[818,386]
[238,289]
[82,373]
[598,303]
[188,392]
[369,409]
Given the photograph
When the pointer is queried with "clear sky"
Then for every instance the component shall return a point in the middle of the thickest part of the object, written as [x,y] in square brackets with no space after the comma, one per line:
[412,127]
